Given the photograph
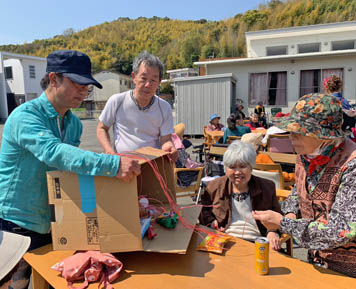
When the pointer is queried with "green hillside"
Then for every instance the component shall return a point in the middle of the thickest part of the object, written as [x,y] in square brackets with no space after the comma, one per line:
[113,45]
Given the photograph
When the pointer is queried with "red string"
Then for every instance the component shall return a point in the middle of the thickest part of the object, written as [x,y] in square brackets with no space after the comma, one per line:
[172,204]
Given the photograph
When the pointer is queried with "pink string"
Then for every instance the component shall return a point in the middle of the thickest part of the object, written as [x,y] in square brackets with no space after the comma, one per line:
[172,204]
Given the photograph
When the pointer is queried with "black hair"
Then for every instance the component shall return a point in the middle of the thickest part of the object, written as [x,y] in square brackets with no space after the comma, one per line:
[45,80]
[231,121]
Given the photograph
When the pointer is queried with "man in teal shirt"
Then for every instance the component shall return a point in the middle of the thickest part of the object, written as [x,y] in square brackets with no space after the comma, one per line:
[43,135]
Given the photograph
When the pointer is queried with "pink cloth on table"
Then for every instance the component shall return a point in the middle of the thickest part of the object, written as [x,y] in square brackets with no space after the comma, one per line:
[91,266]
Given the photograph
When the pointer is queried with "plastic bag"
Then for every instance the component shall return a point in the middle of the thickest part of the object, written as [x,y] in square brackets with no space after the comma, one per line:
[214,243]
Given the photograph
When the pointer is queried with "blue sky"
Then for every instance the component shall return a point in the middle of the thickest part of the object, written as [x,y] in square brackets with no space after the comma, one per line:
[24,21]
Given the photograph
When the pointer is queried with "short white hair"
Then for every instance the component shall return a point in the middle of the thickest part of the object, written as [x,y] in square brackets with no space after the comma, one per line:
[239,152]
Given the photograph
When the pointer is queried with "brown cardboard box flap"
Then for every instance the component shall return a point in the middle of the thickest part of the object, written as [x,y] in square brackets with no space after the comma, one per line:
[113,224]
[173,240]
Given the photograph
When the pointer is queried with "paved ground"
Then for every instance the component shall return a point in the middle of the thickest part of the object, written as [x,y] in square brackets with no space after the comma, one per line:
[89,142]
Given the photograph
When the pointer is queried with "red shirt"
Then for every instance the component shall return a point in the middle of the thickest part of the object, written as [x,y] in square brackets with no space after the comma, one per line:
[253,125]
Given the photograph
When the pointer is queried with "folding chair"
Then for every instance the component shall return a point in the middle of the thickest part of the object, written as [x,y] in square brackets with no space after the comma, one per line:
[193,188]
[230,139]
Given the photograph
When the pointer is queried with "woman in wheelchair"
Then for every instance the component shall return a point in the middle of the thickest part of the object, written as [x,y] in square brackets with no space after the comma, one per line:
[234,196]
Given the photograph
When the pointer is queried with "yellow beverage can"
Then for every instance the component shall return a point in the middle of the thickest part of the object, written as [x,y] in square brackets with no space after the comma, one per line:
[261,255]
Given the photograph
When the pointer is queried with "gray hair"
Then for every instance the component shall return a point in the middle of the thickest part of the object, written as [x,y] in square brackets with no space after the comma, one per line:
[239,152]
[149,60]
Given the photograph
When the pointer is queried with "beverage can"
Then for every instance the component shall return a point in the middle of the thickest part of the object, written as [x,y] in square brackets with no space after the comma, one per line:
[261,255]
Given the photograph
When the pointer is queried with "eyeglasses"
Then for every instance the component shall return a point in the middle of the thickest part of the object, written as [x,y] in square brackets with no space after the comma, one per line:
[89,87]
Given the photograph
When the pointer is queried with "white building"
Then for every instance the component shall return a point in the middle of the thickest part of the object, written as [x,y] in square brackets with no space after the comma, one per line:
[285,64]
[112,83]
[20,77]
[182,72]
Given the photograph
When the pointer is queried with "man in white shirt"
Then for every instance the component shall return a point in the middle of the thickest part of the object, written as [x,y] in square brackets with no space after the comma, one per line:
[139,117]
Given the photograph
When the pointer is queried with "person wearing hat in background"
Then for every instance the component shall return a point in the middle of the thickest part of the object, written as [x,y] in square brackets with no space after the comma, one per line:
[240,110]
[179,131]
[184,160]
[214,124]
[12,248]
[139,117]
[320,212]
[43,135]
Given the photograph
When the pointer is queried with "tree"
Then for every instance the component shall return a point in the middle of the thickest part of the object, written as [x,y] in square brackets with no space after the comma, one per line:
[251,17]
[167,88]
[68,32]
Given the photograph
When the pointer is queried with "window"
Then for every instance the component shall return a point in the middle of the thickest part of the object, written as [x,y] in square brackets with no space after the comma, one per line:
[125,82]
[8,72]
[276,50]
[343,45]
[32,71]
[311,80]
[120,82]
[193,73]
[175,75]
[269,87]
[309,47]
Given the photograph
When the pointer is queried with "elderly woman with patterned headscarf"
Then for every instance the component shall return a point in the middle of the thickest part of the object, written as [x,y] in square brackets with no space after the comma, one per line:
[320,212]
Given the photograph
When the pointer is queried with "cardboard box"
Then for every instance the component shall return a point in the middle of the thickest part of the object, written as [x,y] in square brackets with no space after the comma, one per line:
[101,213]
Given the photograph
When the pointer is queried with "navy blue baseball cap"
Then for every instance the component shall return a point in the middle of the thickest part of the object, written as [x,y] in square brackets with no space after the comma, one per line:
[72,64]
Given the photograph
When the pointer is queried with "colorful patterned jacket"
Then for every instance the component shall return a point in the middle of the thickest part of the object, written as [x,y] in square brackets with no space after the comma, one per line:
[328,218]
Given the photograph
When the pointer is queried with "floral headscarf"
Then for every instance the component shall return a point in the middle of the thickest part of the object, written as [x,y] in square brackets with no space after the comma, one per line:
[316,115]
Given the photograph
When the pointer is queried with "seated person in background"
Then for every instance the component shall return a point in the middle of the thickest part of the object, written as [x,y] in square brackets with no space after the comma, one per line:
[237,194]
[274,129]
[333,85]
[255,139]
[254,122]
[214,124]
[239,109]
[184,160]
[261,112]
[12,248]
[235,126]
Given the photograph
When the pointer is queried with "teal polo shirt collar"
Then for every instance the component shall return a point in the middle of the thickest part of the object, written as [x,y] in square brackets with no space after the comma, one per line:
[49,109]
